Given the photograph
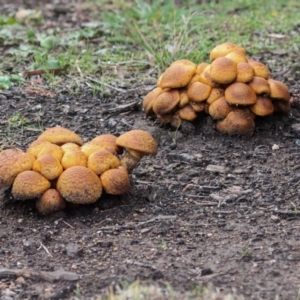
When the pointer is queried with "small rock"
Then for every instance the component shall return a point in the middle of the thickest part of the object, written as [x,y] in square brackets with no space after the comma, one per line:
[216,168]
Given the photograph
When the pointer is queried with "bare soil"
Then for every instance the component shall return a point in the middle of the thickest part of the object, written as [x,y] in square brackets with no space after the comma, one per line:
[234,225]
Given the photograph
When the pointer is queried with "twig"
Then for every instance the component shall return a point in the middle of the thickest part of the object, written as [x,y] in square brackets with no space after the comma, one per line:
[45,248]
[68,224]
[206,203]
[130,224]
[224,212]
[106,84]
[47,276]
[286,212]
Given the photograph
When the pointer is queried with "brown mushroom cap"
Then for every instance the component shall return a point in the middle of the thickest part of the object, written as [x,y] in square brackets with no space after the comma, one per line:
[73,158]
[240,93]
[278,90]
[115,181]
[50,202]
[262,107]
[137,143]
[245,72]
[36,146]
[102,160]
[29,185]
[13,162]
[52,149]
[48,166]
[150,98]
[60,136]
[259,68]
[260,86]
[198,91]
[223,70]
[201,67]
[219,109]
[238,121]
[225,48]
[138,140]
[166,102]
[79,185]
[178,74]
[187,113]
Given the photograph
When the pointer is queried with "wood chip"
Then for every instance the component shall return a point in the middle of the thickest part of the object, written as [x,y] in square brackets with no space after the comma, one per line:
[216,168]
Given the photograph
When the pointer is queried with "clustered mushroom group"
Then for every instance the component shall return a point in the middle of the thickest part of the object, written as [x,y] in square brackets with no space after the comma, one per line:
[233,89]
[58,167]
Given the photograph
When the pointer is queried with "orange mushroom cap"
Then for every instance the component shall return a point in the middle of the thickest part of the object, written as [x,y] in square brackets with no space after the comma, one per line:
[79,185]
[240,93]
[60,136]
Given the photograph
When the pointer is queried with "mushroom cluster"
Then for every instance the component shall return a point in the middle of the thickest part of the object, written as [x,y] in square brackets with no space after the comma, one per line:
[233,89]
[58,167]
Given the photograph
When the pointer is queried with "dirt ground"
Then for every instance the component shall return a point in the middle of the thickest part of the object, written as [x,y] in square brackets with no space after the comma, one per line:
[182,222]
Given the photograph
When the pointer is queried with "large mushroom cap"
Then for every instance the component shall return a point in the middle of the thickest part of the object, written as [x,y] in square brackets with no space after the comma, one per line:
[79,185]
[198,91]
[13,162]
[260,86]
[29,185]
[50,202]
[240,93]
[138,140]
[60,136]
[178,74]
[115,181]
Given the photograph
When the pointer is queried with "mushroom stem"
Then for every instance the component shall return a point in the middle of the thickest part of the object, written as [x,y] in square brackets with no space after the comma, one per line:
[131,159]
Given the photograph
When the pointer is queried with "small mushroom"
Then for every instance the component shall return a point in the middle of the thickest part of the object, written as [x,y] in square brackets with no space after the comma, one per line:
[259,68]
[79,185]
[263,107]
[219,109]
[225,48]
[108,142]
[50,202]
[237,56]
[166,102]
[223,70]
[238,121]
[52,149]
[278,90]
[149,100]
[102,160]
[36,146]
[178,74]
[260,86]
[187,113]
[137,143]
[115,181]
[240,93]
[73,158]
[69,147]
[198,91]
[13,162]
[245,72]
[29,185]
[60,136]
[48,166]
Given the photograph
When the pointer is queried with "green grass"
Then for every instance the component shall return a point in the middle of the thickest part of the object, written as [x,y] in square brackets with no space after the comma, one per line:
[130,36]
